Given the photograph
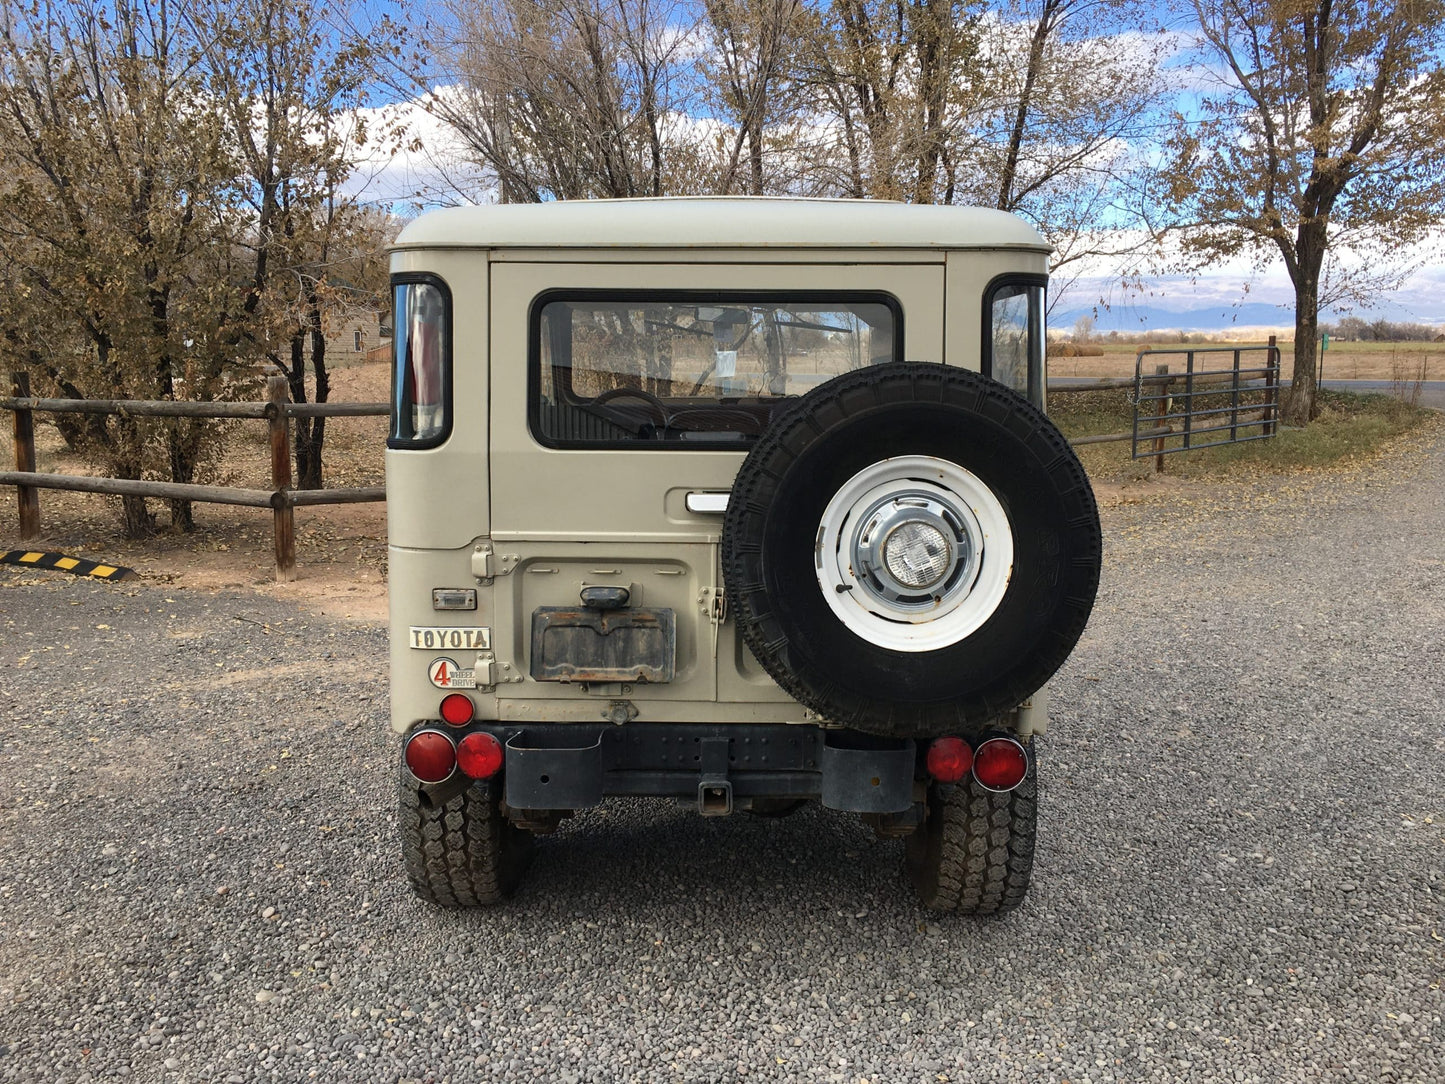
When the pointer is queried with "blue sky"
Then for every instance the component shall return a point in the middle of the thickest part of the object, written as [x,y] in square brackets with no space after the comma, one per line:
[1230,294]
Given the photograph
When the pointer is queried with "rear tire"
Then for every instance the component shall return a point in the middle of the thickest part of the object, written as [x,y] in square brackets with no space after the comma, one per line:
[974,854]
[461,852]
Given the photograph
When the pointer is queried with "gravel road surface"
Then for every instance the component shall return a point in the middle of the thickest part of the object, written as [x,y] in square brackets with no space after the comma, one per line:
[1239,877]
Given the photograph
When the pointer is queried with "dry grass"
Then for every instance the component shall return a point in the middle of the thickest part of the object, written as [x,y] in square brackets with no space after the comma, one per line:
[1342,361]
[1350,428]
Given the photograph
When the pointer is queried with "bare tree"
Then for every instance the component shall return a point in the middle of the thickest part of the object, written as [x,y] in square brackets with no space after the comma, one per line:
[110,154]
[754,44]
[291,82]
[1322,134]
[564,99]
[1074,89]
[895,81]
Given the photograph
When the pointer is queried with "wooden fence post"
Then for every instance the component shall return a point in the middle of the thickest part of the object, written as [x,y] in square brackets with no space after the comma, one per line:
[28,496]
[278,394]
[1159,412]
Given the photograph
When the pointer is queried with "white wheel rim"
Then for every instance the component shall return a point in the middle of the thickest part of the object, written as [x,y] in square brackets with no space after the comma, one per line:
[944,499]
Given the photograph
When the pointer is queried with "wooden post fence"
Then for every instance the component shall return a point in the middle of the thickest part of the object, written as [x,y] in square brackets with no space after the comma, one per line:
[276,410]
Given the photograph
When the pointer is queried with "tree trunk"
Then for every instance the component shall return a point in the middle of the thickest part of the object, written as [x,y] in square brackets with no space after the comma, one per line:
[296,379]
[755,156]
[930,30]
[81,432]
[184,449]
[137,522]
[855,156]
[313,430]
[1300,406]
[1042,29]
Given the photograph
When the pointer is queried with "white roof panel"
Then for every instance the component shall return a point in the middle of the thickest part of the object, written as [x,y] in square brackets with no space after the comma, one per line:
[720,222]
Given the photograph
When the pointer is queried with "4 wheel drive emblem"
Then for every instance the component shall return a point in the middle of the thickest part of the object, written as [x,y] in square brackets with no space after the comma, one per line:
[446,674]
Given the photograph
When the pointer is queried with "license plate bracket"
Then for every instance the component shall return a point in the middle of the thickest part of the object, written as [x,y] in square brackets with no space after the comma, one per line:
[580,645]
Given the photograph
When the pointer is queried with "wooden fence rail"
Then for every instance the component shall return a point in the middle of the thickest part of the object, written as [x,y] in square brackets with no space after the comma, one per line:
[277,408]
[281,498]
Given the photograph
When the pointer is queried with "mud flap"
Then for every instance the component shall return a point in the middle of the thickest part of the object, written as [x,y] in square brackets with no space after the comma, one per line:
[862,774]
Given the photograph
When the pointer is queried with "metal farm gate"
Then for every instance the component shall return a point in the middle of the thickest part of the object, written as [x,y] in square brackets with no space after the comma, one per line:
[1225,395]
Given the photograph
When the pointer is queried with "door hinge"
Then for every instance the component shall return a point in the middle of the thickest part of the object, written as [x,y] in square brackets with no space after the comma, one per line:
[482,563]
[713,602]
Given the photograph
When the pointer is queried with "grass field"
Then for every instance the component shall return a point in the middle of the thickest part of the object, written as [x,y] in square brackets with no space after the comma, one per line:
[1342,361]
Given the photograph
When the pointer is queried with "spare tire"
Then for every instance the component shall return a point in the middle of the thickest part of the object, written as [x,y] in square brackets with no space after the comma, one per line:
[911,549]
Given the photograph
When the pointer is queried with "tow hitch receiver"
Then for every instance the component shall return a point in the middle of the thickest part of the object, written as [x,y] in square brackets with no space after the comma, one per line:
[714,791]
[715,798]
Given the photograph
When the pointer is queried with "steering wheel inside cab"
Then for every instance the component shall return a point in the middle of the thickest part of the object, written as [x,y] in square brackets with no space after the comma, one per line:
[648,415]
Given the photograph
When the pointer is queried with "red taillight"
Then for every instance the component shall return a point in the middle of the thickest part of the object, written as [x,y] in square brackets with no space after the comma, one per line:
[949,759]
[479,756]
[1000,764]
[457,709]
[431,756]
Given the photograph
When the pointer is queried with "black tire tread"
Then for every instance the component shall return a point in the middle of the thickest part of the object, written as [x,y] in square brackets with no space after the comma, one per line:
[463,852]
[975,853]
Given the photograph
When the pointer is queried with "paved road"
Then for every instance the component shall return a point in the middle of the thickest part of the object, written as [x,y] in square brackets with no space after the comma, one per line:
[1432,392]
[1240,876]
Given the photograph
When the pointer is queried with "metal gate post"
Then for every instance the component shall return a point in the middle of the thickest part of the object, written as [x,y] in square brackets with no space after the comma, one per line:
[1159,412]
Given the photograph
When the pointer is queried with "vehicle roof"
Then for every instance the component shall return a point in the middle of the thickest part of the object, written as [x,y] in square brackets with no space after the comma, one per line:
[720,222]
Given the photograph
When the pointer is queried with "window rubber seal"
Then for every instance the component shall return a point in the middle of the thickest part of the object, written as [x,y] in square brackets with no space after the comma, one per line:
[995,284]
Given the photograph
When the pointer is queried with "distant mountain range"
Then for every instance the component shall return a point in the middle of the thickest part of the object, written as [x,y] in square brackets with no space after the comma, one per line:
[1130,317]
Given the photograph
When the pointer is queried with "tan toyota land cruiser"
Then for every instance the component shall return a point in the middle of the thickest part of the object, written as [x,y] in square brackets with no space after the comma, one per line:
[743,502]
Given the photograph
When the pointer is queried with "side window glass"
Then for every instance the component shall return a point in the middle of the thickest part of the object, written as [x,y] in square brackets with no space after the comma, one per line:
[1014,352]
[421,355]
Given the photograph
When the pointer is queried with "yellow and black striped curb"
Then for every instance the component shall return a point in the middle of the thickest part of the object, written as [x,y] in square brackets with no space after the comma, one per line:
[93,569]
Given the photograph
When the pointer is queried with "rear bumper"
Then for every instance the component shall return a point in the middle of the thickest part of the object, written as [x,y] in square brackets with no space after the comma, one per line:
[571,766]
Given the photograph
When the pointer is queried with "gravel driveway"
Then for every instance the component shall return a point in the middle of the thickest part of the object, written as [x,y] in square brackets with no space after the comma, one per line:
[1239,878]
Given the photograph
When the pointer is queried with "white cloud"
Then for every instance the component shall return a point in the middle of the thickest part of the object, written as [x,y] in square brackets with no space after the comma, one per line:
[426,166]
[1234,290]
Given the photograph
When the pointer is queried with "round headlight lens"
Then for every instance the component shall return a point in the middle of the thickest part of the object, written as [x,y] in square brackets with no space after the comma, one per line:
[917,554]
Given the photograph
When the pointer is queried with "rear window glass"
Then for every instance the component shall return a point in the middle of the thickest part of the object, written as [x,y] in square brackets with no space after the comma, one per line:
[692,371]
[421,359]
